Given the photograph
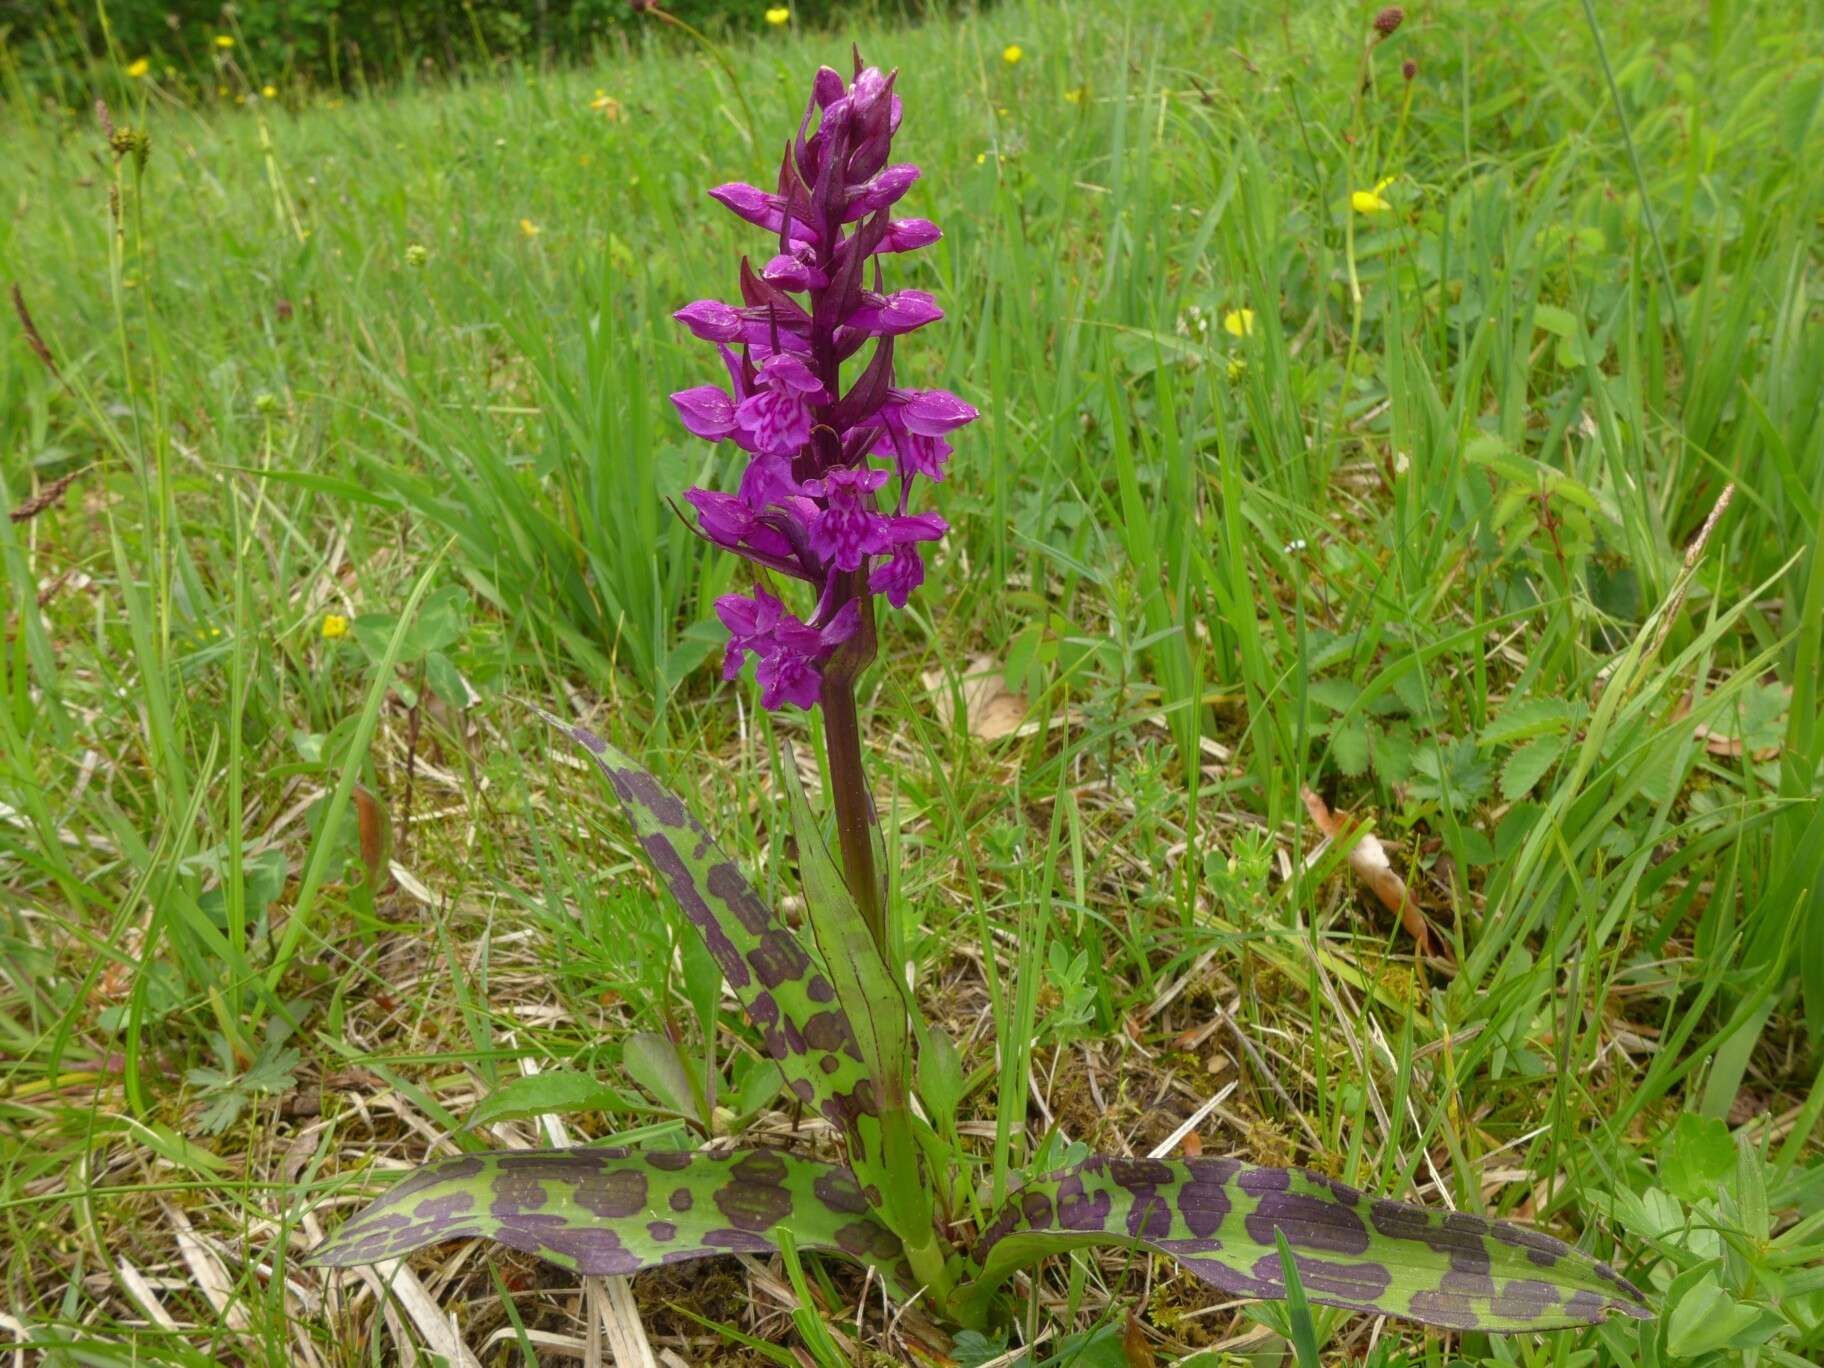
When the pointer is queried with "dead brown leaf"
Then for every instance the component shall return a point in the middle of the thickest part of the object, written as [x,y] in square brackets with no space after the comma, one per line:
[1134,1346]
[1368,858]
[990,708]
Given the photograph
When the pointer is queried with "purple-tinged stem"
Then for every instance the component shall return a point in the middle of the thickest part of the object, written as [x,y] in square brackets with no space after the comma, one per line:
[848,781]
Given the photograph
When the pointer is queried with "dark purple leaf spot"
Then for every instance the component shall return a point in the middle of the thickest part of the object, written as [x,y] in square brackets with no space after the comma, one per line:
[1361,1283]
[1524,1299]
[1444,1308]
[839,1191]
[1308,1223]
[753,1206]
[727,884]
[1255,1181]
[642,789]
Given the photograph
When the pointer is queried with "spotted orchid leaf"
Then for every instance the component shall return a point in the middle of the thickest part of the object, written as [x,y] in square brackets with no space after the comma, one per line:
[1218,1218]
[885,1152]
[786,993]
[617,1211]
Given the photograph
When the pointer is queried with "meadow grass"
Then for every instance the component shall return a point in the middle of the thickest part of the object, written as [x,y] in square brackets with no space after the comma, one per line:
[1490,515]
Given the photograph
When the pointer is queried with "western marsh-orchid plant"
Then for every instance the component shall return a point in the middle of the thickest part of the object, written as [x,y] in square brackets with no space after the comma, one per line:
[825,432]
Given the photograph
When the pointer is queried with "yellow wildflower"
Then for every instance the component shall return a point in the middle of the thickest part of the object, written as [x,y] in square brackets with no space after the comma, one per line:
[980,157]
[529,228]
[139,68]
[224,41]
[1370,201]
[1011,54]
[1238,322]
[334,625]
[777,15]
[1077,94]
[606,104]
[269,92]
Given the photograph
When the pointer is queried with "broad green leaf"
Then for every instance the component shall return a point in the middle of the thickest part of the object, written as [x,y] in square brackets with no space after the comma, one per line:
[536,1094]
[1532,717]
[1349,748]
[1707,1319]
[652,1061]
[1528,765]
[616,1211]
[1221,1220]
[1695,1157]
[787,996]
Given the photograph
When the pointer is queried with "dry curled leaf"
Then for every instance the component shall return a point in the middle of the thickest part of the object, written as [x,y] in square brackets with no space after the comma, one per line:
[990,708]
[376,831]
[1368,858]
[1134,1347]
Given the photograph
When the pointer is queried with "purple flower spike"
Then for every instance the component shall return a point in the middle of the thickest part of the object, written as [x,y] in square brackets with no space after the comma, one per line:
[778,418]
[891,315]
[847,530]
[813,405]
[706,411]
[711,320]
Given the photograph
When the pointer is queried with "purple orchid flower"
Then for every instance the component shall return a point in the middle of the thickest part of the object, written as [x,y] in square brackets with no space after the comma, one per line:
[806,502]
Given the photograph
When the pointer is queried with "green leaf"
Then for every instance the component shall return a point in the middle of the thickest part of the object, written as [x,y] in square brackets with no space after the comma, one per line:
[1707,1319]
[1298,1309]
[617,1211]
[1528,765]
[1695,1157]
[536,1094]
[786,994]
[1349,748]
[1532,717]
[1554,320]
[1221,1221]
[652,1061]
[881,1143]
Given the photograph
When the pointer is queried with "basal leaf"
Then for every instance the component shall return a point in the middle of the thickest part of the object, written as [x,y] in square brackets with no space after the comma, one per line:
[787,996]
[616,1211]
[1221,1220]
[882,1147]
[557,1090]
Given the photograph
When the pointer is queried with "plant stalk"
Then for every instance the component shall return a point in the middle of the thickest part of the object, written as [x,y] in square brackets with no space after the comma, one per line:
[848,781]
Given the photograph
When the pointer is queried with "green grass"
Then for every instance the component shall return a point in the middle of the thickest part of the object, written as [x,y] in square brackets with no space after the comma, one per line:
[1420,540]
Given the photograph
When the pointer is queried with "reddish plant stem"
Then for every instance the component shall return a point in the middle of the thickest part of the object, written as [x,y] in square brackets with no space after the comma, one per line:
[848,780]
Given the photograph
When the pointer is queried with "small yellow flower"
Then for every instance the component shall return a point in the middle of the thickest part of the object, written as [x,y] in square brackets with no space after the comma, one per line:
[269,92]
[1076,95]
[1370,201]
[1238,322]
[606,104]
[334,625]
[224,41]
[980,157]
[529,228]
[139,68]
[778,15]
[1011,54]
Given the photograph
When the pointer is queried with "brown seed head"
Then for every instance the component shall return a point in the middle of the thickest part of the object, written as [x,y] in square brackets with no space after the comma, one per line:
[1409,68]
[1388,20]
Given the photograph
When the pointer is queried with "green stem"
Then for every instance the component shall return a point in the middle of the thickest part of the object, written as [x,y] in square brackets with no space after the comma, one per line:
[703,41]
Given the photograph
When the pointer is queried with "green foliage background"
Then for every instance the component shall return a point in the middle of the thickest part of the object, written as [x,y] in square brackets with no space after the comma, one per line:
[56,46]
